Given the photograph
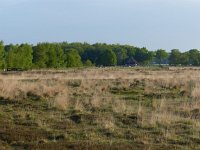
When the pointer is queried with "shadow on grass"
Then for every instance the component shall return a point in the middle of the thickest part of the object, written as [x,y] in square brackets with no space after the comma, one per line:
[5,102]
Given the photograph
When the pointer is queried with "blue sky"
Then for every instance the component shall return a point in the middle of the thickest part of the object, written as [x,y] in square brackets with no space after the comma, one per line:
[153,24]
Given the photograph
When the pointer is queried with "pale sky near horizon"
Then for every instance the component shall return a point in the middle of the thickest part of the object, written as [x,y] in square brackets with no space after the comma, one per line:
[154,24]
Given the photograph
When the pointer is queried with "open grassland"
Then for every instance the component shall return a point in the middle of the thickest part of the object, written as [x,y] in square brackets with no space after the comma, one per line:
[100,108]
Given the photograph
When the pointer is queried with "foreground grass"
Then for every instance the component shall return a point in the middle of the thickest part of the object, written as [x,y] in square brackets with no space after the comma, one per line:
[106,108]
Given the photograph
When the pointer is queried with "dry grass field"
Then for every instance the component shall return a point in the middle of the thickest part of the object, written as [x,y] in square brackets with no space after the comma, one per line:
[100,108]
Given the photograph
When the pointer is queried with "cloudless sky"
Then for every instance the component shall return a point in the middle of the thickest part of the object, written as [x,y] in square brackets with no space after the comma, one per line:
[153,24]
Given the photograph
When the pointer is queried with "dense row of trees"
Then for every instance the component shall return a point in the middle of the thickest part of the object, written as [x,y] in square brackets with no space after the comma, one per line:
[63,55]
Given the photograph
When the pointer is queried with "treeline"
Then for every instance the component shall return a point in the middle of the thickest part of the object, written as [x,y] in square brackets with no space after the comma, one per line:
[64,55]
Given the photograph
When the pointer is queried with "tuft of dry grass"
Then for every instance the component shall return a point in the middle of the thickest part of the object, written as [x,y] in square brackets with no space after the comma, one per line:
[107,122]
[196,92]
[20,89]
[61,102]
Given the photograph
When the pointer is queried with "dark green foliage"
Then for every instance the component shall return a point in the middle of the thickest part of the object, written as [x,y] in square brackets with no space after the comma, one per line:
[55,56]
[121,54]
[2,61]
[88,63]
[40,57]
[184,59]
[106,56]
[48,55]
[143,56]
[130,50]
[175,57]
[79,47]
[194,57]
[72,59]
[62,55]
[161,55]
[19,56]
[90,53]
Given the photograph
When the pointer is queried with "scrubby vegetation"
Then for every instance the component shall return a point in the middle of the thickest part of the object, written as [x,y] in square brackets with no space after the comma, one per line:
[102,108]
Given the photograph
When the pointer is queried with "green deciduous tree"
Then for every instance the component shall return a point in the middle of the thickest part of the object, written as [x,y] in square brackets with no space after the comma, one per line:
[121,55]
[90,53]
[48,55]
[73,59]
[184,59]
[55,56]
[175,57]
[88,63]
[60,55]
[130,50]
[40,57]
[19,56]
[2,53]
[143,56]
[161,55]
[106,57]
[194,57]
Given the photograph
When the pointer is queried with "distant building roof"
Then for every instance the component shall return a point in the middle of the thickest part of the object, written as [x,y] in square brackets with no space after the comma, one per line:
[131,61]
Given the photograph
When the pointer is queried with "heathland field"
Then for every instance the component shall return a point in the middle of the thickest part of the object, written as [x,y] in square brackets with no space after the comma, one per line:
[100,108]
